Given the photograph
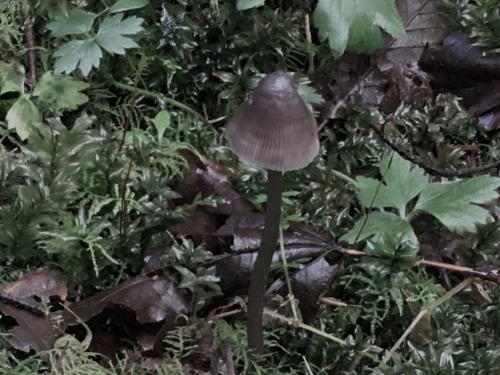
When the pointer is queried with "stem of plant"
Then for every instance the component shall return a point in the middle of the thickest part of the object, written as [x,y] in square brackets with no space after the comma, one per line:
[262,264]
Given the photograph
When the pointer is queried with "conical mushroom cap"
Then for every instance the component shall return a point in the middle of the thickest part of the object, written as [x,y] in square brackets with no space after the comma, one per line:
[274,129]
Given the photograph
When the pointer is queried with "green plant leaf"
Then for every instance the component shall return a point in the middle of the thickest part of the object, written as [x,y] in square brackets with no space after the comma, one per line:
[21,115]
[162,122]
[112,30]
[353,25]
[248,4]
[76,21]
[402,182]
[309,95]
[79,53]
[454,204]
[378,224]
[398,254]
[122,5]
[60,92]
[11,77]
[226,77]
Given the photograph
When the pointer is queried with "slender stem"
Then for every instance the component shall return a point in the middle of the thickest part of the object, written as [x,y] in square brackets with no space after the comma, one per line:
[154,95]
[345,177]
[291,297]
[263,262]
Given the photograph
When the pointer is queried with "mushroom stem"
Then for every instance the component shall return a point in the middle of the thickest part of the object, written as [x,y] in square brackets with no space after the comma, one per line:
[263,262]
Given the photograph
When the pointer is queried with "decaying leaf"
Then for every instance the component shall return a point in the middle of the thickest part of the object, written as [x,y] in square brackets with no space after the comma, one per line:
[151,299]
[43,283]
[309,283]
[208,183]
[33,329]
[479,74]
[31,332]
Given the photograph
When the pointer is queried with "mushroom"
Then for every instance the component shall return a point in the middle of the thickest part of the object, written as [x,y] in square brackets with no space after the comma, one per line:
[274,130]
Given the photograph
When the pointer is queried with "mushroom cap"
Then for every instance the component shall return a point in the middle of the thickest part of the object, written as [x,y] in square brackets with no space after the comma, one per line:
[273,129]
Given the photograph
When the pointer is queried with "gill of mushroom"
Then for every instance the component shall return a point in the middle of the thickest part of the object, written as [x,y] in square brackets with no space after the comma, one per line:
[273,129]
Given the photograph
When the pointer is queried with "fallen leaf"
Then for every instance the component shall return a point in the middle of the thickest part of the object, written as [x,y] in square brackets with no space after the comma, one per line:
[33,330]
[152,300]
[310,283]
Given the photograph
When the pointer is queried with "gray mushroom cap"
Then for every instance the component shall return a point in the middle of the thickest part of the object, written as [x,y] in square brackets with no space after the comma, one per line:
[273,129]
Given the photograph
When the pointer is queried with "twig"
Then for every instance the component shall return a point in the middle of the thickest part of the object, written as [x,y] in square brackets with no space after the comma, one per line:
[307,27]
[156,96]
[398,343]
[226,314]
[126,126]
[468,172]
[131,102]
[332,302]
[425,311]
[492,275]
[365,220]
[299,324]
[30,42]
[489,275]
[228,354]
[308,367]
[58,364]
[290,296]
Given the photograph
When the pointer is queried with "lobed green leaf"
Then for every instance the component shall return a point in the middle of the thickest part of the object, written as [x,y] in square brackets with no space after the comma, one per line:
[377,224]
[402,182]
[76,21]
[354,25]
[22,115]
[112,30]
[79,53]
[11,77]
[455,203]
[60,92]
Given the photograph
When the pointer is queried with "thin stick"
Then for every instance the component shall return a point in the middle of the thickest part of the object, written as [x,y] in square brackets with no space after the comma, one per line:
[307,27]
[426,310]
[486,274]
[306,327]
[30,41]
[263,262]
[291,297]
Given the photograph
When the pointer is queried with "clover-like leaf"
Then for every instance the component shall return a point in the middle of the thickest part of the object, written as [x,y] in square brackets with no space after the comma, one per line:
[354,25]
[78,53]
[76,21]
[455,204]
[123,5]
[112,30]
[11,77]
[401,183]
[60,93]
[21,115]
